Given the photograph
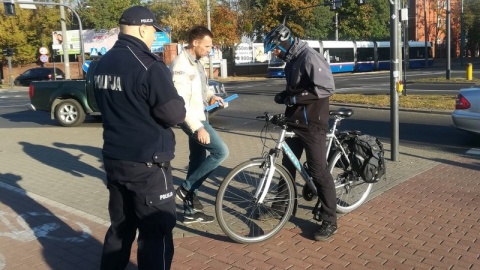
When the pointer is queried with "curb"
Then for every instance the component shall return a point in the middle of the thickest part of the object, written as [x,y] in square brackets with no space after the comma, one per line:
[442,112]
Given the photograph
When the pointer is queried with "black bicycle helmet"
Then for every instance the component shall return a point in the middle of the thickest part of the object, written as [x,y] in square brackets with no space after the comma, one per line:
[275,37]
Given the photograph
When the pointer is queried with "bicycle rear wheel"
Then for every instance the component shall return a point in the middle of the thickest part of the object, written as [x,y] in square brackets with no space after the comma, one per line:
[351,190]
[240,216]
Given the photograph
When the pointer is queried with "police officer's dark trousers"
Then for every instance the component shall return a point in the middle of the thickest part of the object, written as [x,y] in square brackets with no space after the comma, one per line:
[141,197]
[314,143]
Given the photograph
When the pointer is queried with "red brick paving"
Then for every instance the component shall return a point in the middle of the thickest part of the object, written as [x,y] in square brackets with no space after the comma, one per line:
[428,222]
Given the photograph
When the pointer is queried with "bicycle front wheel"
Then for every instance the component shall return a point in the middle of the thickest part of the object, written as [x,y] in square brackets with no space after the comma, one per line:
[238,212]
[351,190]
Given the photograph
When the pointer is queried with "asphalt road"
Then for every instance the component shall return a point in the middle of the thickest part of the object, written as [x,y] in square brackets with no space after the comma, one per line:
[364,83]
[428,130]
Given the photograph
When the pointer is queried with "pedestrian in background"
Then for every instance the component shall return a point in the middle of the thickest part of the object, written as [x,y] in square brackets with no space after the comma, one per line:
[139,105]
[309,85]
[191,83]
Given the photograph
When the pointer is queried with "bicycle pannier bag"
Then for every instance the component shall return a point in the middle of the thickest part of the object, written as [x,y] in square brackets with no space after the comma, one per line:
[367,158]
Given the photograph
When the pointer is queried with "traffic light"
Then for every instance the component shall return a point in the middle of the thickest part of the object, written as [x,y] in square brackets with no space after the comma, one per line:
[9,8]
[335,4]
[8,52]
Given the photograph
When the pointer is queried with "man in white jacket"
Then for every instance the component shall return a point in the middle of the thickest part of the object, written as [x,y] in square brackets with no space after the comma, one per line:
[191,82]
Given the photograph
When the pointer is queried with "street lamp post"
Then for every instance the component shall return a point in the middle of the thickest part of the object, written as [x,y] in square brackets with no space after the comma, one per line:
[66,58]
[448,71]
[394,77]
[210,57]
[426,31]
[462,37]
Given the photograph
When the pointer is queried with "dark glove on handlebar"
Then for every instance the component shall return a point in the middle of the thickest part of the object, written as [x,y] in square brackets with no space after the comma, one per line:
[279,98]
[289,101]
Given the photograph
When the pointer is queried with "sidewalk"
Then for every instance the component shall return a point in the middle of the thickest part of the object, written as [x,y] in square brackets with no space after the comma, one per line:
[53,211]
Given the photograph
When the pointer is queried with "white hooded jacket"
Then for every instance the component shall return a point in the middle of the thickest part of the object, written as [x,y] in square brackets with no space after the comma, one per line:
[186,78]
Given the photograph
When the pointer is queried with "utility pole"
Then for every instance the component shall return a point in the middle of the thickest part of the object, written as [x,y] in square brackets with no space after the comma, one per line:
[449,41]
[336,26]
[406,48]
[394,76]
[462,37]
[426,31]
[210,57]
[66,59]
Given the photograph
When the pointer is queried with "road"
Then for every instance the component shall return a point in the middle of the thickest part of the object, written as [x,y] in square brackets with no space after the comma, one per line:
[433,131]
[368,83]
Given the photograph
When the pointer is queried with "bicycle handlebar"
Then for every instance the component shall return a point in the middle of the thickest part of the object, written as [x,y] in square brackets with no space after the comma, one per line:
[281,121]
[276,119]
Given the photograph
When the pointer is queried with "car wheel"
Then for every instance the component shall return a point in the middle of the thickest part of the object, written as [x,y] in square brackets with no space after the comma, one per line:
[69,113]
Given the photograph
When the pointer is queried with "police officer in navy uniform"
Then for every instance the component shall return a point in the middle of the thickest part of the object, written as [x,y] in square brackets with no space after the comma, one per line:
[139,105]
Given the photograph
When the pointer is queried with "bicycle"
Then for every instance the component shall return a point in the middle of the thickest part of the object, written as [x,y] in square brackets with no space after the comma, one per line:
[254,186]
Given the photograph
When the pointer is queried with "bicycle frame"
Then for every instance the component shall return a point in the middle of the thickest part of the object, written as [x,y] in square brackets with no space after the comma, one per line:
[281,145]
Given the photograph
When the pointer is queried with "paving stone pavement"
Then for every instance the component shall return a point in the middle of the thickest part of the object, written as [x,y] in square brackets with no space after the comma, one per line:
[53,211]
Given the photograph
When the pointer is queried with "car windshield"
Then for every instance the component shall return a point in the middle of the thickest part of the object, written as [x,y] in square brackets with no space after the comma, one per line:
[28,72]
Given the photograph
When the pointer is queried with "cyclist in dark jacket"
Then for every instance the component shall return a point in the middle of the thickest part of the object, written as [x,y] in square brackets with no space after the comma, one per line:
[309,85]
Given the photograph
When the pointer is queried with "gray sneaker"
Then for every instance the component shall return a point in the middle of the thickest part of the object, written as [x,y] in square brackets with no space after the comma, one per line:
[197,217]
[326,230]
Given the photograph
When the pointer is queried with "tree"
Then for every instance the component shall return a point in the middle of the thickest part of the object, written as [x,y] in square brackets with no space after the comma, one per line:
[180,16]
[248,13]
[28,31]
[364,22]
[472,24]
[322,25]
[224,26]
[103,14]
[275,11]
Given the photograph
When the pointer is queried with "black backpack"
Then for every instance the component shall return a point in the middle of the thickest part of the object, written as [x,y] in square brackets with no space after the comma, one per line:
[367,157]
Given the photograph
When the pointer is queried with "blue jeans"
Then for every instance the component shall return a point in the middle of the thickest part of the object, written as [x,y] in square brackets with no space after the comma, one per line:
[200,165]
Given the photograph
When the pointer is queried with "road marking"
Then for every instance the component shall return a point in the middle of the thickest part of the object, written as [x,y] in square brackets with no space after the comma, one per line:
[474,151]
[20,230]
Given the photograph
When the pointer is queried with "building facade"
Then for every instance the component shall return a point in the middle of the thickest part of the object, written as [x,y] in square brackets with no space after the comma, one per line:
[428,18]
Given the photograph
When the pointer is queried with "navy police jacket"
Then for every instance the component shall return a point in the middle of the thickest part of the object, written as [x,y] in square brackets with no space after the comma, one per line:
[138,101]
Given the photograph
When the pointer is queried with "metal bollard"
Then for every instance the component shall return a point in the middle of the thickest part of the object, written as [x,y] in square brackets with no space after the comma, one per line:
[469,71]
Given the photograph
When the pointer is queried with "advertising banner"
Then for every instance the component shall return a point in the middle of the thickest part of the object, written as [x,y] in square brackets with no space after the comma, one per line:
[98,42]
[250,53]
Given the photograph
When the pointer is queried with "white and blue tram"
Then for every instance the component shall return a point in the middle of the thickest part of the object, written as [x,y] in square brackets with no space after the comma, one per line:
[358,56]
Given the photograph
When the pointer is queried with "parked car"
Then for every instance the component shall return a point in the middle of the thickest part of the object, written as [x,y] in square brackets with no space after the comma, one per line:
[39,74]
[467,110]
[70,101]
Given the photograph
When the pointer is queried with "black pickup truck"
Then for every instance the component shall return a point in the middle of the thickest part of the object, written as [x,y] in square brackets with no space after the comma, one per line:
[70,101]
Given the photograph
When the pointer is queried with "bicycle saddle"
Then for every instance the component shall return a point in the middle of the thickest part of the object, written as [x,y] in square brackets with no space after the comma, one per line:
[342,112]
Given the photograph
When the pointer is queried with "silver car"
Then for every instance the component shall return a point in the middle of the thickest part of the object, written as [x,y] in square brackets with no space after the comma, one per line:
[467,110]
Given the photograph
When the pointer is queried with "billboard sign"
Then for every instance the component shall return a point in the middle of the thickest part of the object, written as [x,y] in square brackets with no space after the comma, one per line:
[98,41]
[161,38]
[93,40]
[250,53]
